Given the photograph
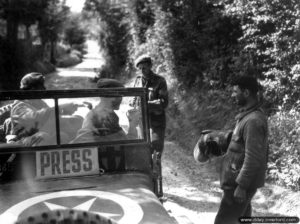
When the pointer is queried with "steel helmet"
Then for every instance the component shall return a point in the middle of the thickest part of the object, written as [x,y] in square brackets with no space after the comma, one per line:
[212,143]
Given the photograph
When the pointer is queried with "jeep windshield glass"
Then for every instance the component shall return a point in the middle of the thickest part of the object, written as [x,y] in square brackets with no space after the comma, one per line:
[27,122]
[99,119]
[68,118]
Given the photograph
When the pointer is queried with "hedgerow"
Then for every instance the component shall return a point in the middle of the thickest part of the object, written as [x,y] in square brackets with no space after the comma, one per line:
[284,144]
[200,45]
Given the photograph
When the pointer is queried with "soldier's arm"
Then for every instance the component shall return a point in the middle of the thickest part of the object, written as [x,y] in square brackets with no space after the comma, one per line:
[162,100]
[255,135]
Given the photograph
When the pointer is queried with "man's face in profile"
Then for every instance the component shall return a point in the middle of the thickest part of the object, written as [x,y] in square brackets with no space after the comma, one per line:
[145,68]
[238,96]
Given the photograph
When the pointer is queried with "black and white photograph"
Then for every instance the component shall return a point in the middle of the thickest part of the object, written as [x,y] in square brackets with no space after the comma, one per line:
[149,111]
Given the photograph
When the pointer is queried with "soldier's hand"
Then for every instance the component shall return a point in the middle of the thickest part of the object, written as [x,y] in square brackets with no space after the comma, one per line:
[68,108]
[133,116]
[88,105]
[22,125]
[154,102]
[239,195]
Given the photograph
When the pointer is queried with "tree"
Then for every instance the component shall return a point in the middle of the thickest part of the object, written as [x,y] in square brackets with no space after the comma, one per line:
[75,34]
[51,25]
[270,44]
[145,18]
[16,12]
[114,35]
[203,39]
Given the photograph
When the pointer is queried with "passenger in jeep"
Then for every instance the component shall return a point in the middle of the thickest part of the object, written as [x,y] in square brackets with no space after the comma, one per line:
[102,123]
[32,122]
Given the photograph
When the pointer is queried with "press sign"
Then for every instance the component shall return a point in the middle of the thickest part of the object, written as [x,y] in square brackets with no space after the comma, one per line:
[66,162]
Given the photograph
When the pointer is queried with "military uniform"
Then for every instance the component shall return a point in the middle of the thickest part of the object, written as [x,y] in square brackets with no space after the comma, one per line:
[158,93]
[30,120]
[102,123]
[244,164]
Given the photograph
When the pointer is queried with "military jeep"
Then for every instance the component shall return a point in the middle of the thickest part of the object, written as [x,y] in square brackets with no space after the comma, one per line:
[98,180]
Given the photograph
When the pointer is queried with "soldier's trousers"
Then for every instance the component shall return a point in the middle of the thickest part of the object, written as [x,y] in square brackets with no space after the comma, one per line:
[230,211]
[157,138]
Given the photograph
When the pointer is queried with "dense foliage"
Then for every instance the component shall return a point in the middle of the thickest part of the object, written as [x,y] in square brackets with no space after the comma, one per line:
[15,13]
[29,33]
[75,33]
[284,147]
[51,25]
[271,44]
[113,36]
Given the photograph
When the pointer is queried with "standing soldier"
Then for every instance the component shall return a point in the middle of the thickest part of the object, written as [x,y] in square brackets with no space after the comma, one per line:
[244,164]
[157,100]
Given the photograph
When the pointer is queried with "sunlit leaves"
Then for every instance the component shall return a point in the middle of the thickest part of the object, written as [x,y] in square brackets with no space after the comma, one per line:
[114,33]
[284,157]
[51,23]
[75,34]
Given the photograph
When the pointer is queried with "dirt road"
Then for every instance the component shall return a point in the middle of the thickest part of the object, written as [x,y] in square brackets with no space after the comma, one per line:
[193,190]
[79,76]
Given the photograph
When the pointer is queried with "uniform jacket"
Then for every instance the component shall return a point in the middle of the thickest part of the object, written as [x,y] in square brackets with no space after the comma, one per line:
[158,92]
[100,124]
[245,161]
[29,117]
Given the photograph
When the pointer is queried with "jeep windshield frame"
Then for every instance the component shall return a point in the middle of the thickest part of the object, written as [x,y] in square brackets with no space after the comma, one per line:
[78,93]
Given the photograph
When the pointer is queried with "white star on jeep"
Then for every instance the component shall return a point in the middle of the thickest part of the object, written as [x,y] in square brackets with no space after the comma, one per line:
[85,206]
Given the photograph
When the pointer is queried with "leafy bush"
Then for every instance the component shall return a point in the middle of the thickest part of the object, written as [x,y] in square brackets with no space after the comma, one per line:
[43,67]
[192,112]
[75,34]
[269,45]
[284,148]
[69,60]
[113,36]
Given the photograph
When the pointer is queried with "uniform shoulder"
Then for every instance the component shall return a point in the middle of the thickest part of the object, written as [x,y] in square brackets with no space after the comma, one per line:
[17,105]
[257,118]
[258,114]
[159,77]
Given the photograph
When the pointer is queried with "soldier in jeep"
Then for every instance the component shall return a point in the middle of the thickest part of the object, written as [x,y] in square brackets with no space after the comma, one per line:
[31,122]
[102,122]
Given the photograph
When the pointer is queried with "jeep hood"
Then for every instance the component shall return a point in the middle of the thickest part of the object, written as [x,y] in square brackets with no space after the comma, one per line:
[125,198]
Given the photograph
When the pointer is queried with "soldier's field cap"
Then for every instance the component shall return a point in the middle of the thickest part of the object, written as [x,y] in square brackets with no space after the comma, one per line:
[32,80]
[109,83]
[143,59]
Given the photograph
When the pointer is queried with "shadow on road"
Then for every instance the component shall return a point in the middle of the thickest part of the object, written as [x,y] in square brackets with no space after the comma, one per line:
[194,205]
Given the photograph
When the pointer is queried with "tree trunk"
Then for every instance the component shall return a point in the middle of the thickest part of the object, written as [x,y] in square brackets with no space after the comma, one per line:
[52,52]
[12,32]
[11,61]
[28,34]
[12,25]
